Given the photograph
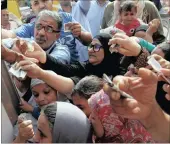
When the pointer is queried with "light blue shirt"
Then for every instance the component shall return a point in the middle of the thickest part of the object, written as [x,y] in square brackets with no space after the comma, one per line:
[27,31]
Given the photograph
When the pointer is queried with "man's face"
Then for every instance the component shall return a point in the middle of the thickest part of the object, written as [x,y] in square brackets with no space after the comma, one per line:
[4,17]
[39,5]
[45,31]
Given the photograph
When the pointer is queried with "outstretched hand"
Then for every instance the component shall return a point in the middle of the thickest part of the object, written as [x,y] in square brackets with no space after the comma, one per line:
[142,88]
[128,46]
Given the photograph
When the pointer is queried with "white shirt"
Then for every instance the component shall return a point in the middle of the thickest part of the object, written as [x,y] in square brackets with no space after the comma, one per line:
[95,16]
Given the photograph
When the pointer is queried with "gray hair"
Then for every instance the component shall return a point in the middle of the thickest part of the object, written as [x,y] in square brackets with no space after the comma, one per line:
[88,86]
[50,112]
[52,14]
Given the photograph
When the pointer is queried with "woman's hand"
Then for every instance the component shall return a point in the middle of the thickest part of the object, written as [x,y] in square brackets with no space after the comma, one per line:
[38,52]
[25,131]
[25,106]
[32,69]
[164,63]
[97,125]
[128,46]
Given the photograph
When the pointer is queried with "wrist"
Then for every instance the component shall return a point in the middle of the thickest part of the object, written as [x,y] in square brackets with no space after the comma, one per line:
[41,74]
[20,139]
[31,109]
[139,52]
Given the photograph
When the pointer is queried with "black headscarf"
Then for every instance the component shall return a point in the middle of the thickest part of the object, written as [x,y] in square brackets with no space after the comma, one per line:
[111,62]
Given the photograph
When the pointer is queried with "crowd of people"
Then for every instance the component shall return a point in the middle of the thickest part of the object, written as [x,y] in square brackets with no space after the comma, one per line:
[68,99]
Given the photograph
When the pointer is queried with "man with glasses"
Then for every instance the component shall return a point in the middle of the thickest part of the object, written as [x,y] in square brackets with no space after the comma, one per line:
[66,38]
[46,33]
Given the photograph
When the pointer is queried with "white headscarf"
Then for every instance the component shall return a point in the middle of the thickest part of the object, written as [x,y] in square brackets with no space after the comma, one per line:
[35,82]
[71,125]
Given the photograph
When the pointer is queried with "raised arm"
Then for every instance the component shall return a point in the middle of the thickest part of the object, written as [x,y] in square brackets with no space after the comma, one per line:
[61,84]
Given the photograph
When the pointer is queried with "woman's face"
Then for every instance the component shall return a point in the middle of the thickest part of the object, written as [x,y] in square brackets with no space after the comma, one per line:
[158,51]
[81,103]
[127,17]
[43,94]
[96,52]
[44,132]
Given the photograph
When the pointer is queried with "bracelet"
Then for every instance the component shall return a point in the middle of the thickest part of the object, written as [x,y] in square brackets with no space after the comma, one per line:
[141,59]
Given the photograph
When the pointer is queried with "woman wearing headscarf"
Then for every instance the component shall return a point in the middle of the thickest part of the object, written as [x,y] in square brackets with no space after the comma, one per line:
[59,122]
[101,60]
[62,122]
[42,94]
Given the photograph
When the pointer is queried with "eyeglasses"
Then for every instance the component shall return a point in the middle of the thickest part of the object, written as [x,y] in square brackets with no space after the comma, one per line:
[47,28]
[96,47]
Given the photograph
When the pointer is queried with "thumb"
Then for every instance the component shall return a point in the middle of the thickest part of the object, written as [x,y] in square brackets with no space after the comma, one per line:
[147,75]
[36,46]
[34,60]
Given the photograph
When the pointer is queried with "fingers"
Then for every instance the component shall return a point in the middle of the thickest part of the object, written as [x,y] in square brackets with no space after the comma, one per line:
[76,29]
[167,97]
[124,52]
[111,93]
[166,88]
[33,60]
[25,123]
[36,46]
[157,57]
[116,40]
[147,75]
[23,63]
[166,72]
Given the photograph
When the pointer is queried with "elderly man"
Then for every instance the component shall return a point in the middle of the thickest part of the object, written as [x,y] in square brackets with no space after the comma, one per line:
[46,31]
[66,38]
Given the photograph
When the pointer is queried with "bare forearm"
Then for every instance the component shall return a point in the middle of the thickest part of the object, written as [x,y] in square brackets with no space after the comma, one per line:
[148,37]
[8,55]
[85,38]
[19,140]
[61,84]
[158,125]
